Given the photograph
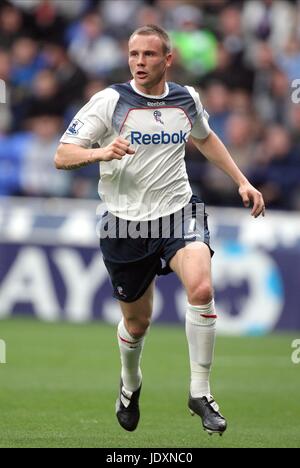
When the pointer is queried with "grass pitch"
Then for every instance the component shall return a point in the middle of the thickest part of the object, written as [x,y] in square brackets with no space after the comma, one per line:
[60,383]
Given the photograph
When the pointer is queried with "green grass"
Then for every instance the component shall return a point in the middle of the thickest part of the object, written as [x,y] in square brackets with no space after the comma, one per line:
[59,386]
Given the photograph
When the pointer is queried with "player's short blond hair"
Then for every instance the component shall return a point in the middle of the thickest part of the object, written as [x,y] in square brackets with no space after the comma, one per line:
[153,29]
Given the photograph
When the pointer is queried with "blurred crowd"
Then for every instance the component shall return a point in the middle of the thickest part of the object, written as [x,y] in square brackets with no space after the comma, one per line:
[242,56]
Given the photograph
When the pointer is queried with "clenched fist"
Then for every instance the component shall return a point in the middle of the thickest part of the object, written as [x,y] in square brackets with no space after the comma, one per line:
[116,150]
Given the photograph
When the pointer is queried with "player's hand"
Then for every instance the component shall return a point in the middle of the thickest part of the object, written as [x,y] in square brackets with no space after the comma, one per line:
[252,197]
[116,150]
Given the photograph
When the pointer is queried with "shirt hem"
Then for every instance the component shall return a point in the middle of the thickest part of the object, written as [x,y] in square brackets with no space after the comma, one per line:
[142,219]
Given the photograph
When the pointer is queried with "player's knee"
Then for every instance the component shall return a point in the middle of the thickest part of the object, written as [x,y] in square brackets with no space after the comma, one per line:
[202,293]
[202,315]
[137,327]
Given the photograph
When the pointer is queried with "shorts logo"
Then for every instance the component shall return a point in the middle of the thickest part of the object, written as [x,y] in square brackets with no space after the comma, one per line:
[120,291]
[157,116]
[75,126]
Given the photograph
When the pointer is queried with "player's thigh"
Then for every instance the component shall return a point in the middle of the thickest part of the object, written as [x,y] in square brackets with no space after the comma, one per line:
[137,314]
[192,264]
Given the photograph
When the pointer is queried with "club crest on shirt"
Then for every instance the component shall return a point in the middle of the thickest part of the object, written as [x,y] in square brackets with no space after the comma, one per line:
[74,127]
[158,116]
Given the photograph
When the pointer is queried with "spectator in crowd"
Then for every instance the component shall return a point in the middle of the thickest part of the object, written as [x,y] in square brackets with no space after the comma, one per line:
[289,59]
[39,176]
[12,150]
[27,62]
[294,124]
[264,65]
[217,103]
[11,25]
[71,79]
[240,132]
[44,96]
[280,97]
[5,108]
[148,15]
[120,16]
[197,47]
[232,32]
[277,168]
[230,71]
[97,53]
[268,20]
[47,21]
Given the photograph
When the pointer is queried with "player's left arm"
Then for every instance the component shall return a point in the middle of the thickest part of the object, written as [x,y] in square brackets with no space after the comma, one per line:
[215,151]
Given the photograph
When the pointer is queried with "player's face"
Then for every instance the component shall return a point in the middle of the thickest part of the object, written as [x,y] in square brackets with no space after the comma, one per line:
[148,63]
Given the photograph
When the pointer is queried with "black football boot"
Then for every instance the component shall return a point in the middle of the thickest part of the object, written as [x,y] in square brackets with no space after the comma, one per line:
[127,408]
[208,410]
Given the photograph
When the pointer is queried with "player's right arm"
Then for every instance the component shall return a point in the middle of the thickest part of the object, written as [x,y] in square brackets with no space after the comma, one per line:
[89,127]
[70,156]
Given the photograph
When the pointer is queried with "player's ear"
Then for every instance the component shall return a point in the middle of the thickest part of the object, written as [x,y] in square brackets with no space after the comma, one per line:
[169,60]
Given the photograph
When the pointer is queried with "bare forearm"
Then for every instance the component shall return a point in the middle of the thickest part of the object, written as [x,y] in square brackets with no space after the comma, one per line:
[215,151]
[70,156]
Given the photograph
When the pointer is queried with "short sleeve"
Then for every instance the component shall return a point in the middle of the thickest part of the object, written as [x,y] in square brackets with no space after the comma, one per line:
[201,128]
[93,120]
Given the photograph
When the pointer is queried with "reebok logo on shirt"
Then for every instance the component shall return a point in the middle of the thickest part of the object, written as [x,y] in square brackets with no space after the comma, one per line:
[162,138]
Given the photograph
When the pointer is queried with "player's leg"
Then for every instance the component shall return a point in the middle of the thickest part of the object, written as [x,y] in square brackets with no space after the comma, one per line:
[131,335]
[192,264]
[132,264]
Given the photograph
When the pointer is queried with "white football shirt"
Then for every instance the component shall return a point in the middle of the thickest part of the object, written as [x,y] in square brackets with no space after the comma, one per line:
[153,182]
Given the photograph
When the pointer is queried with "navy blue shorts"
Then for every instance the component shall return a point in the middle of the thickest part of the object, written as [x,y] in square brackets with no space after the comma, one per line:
[135,252]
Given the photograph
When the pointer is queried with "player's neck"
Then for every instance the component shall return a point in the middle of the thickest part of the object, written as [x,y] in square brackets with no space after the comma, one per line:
[157,90]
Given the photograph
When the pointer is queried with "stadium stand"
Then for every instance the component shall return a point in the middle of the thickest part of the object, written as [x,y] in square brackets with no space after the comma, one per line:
[244,57]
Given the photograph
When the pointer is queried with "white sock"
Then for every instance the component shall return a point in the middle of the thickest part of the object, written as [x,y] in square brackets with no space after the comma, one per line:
[131,353]
[201,333]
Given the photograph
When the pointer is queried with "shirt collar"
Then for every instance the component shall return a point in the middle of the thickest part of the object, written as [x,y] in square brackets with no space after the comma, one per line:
[149,96]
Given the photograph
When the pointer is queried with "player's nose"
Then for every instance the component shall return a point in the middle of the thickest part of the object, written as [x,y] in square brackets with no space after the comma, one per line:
[141,60]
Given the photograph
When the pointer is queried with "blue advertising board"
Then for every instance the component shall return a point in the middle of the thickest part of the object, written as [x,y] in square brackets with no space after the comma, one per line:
[51,267]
